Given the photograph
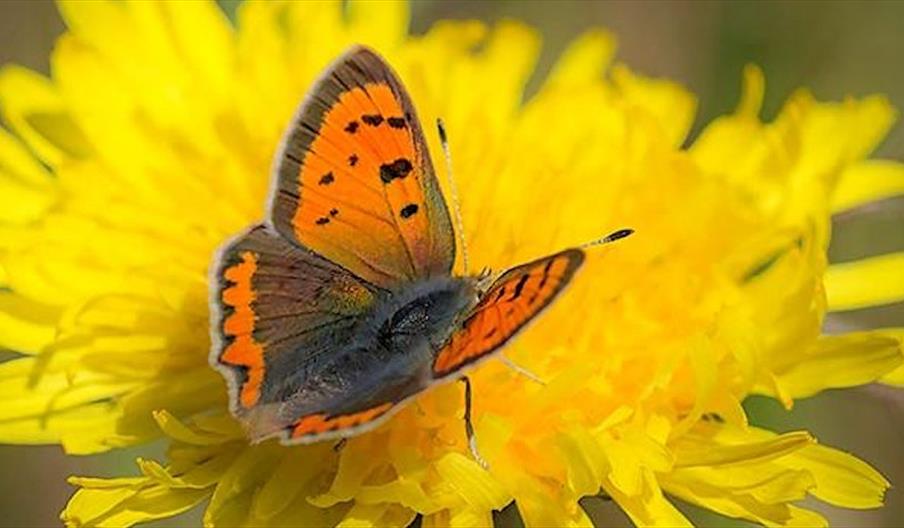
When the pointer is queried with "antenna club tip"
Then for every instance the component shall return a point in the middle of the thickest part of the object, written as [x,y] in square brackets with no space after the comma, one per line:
[611,237]
[621,233]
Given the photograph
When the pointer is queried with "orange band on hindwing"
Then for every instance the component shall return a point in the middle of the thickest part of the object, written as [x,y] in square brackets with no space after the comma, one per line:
[243,350]
[322,423]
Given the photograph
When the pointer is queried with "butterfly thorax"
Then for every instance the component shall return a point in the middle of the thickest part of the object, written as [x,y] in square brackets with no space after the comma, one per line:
[423,313]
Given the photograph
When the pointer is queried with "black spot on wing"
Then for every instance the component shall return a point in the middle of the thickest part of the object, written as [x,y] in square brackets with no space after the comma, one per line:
[334,211]
[372,119]
[322,221]
[408,211]
[351,127]
[327,179]
[396,122]
[396,170]
[500,294]
[546,269]
[519,287]
[353,160]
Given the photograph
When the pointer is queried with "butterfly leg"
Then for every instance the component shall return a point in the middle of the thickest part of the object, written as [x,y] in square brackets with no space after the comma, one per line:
[521,370]
[337,447]
[469,427]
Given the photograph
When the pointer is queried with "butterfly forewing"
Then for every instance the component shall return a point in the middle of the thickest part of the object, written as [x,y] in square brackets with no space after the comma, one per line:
[511,302]
[354,179]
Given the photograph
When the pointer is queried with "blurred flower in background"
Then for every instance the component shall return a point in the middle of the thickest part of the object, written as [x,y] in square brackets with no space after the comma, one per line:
[151,144]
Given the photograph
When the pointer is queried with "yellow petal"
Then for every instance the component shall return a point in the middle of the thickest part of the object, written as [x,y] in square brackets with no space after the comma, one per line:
[239,481]
[355,464]
[754,87]
[404,491]
[175,429]
[725,142]
[866,182]
[475,485]
[153,52]
[583,61]
[803,518]
[34,110]
[364,516]
[377,516]
[867,282]
[18,164]
[631,454]
[470,518]
[379,24]
[26,188]
[292,475]
[89,504]
[693,450]
[728,490]
[895,377]
[204,37]
[667,103]
[841,479]
[22,204]
[54,408]
[649,507]
[134,483]
[844,361]
[153,503]
[125,505]
[26,326]
[587,464]
[540,506]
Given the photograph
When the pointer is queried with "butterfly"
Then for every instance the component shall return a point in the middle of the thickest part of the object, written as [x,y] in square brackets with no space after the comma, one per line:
[342,305]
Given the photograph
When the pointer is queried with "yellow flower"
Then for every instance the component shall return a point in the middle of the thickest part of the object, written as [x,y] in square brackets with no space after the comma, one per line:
[152,143]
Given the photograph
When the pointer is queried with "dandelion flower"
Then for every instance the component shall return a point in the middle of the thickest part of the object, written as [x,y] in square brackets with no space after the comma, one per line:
[151,144]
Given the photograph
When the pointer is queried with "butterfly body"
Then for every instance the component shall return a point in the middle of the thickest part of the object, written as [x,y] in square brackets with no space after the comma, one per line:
[326,318]
[391,351]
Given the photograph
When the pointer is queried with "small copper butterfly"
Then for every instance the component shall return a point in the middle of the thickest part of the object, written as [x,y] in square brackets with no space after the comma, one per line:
[328,316]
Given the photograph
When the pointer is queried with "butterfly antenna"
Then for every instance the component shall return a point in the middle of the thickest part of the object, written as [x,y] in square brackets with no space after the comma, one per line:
[459,225]
[611,237]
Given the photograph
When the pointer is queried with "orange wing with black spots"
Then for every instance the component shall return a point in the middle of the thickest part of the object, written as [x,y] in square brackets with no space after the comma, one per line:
[355,182]
[511,302]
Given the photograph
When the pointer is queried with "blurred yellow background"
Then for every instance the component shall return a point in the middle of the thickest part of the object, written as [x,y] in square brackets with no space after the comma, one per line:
[834,48]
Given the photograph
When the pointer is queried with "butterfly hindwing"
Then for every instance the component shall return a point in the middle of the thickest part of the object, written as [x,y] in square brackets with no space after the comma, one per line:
[280,311]
[512,301]
[355,182]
